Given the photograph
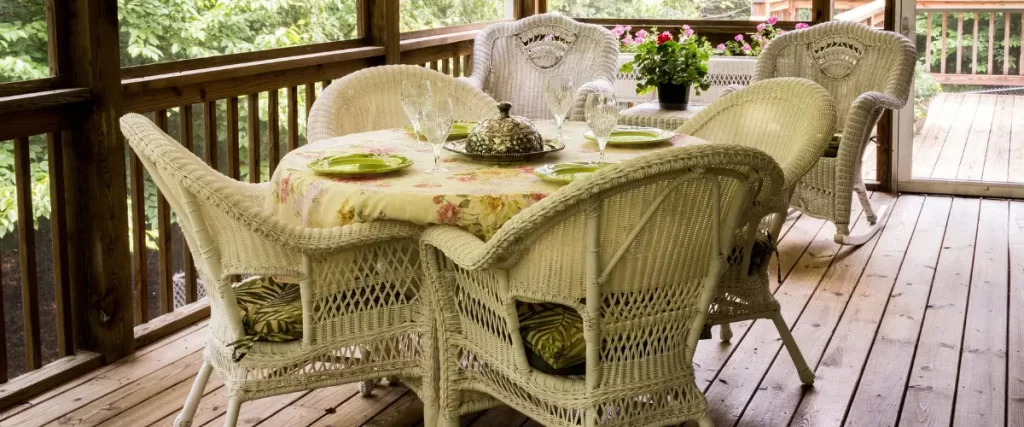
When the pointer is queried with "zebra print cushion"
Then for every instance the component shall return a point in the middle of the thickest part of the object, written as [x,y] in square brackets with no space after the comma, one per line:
[271,311]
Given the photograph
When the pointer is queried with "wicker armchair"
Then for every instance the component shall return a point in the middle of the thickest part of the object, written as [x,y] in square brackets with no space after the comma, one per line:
[866,71]
[370,99]
[357,291]
[511,61]
[791,119]
[634,252]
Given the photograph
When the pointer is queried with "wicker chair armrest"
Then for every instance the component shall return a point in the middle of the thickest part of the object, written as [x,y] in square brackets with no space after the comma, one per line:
[860,121]
[460,246]
[600,85]
[474,81]
[730,89]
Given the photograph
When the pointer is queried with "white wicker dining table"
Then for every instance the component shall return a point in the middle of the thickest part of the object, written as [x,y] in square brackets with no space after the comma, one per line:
[478,197]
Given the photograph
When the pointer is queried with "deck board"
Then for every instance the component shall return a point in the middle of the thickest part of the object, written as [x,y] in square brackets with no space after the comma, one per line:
[886,322]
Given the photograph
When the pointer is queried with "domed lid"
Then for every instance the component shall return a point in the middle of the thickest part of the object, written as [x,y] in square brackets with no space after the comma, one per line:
[505,124]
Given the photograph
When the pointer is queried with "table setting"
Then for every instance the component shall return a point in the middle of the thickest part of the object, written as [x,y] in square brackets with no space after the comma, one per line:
[439,170]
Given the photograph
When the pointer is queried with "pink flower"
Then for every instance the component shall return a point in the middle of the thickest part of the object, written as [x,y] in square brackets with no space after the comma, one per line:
[641,35]
[756,37]
[746,48]
[549,37]
[638,40]
[628,39]
[618,30]
[772,20]
[664,37]
[802,25]
[760,27]
[687,31]
[449,213]
[720,47]
[628,27]
[739,37]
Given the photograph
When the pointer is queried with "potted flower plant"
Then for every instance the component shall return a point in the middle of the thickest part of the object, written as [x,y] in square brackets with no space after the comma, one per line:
[672,65]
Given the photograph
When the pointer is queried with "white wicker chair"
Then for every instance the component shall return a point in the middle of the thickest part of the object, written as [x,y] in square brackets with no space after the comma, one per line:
[370,99]
[866,71]
[511,61]
[636,249]
[792,120]
[359,285]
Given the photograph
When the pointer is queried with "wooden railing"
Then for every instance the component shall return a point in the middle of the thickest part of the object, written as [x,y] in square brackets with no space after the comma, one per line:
[870,14]
[973,46]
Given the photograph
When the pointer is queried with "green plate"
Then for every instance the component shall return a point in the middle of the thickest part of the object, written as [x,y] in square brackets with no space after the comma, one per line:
[460,130]
[358,164]
[628,135]
[564,173]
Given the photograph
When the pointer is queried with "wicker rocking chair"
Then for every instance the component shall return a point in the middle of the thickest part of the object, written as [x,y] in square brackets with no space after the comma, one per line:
[354,315]
[791,119]
[867,71]
[511,61]
[633,253]
[370,99]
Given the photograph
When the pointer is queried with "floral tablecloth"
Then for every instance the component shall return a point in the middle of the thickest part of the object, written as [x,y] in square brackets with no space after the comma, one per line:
[475,196]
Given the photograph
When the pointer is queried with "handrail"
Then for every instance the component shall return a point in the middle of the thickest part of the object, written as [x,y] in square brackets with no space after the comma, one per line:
[863,13]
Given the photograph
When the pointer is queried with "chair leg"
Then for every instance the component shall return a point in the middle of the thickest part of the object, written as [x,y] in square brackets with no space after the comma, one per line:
[805,372]
[234,406]
[443,421]
[184,419]
[366,387]
[726,331]
[843,236]
[705,422]
[862,194]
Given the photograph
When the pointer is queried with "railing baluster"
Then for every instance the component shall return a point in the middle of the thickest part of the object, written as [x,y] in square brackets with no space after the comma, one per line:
[210,132]
[991,42]
[185,134]
[59,233]
[446,66]
[1020,60]
[457,66]
[942,59]
[928,44]
[467,65]
[324,84]
[959,39]
[974,49]
[234,169]
[310,97]
[165,260]
[141,276]
[27,253]
[3,335]
[273,132]
[1006,43]
[254,137]
[293,118]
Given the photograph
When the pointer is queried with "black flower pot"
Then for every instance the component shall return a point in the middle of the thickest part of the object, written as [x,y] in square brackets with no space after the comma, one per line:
[674,97]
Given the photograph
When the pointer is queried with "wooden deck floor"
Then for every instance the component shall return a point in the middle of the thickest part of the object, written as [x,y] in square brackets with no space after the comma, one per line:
[972,137]
[924,325]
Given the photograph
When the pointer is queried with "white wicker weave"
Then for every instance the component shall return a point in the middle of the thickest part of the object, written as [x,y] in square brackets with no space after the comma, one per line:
[792,120]
[636,248]
[361,305]
[511,61]
[866,71]
[370,99]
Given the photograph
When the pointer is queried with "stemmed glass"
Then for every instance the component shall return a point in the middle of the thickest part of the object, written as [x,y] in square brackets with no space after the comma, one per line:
[437,120]
[559,92]
[416,94]
[602,112]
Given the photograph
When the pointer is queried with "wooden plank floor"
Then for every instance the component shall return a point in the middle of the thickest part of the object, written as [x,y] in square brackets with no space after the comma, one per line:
[923,325]
[971,137]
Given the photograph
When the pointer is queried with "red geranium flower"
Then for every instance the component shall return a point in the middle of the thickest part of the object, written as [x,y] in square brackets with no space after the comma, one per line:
[664,37]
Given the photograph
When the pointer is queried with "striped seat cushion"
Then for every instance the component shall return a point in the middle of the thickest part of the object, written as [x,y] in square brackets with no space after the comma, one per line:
[271,311]
[553,335]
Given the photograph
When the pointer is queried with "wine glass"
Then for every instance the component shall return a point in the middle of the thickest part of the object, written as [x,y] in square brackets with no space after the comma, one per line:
[415,96]
[559,92]
[602,111]
[436,121]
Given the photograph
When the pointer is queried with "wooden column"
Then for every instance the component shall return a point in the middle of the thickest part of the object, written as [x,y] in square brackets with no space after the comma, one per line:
[105,300]
[379,26]
[524,8]
[821,11]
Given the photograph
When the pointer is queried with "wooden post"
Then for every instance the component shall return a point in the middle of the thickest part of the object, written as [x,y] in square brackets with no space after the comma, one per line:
[524,8]
[821,11]
[379,26]
[105,300]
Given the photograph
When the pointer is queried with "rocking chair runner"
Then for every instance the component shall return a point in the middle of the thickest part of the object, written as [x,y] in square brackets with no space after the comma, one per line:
[866,71]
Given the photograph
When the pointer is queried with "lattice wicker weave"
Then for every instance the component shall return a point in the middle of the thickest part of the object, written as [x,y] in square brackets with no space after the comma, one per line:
[792,120]
[866,71]
[361,302]
[511,61]
[636,248]
[370,99]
